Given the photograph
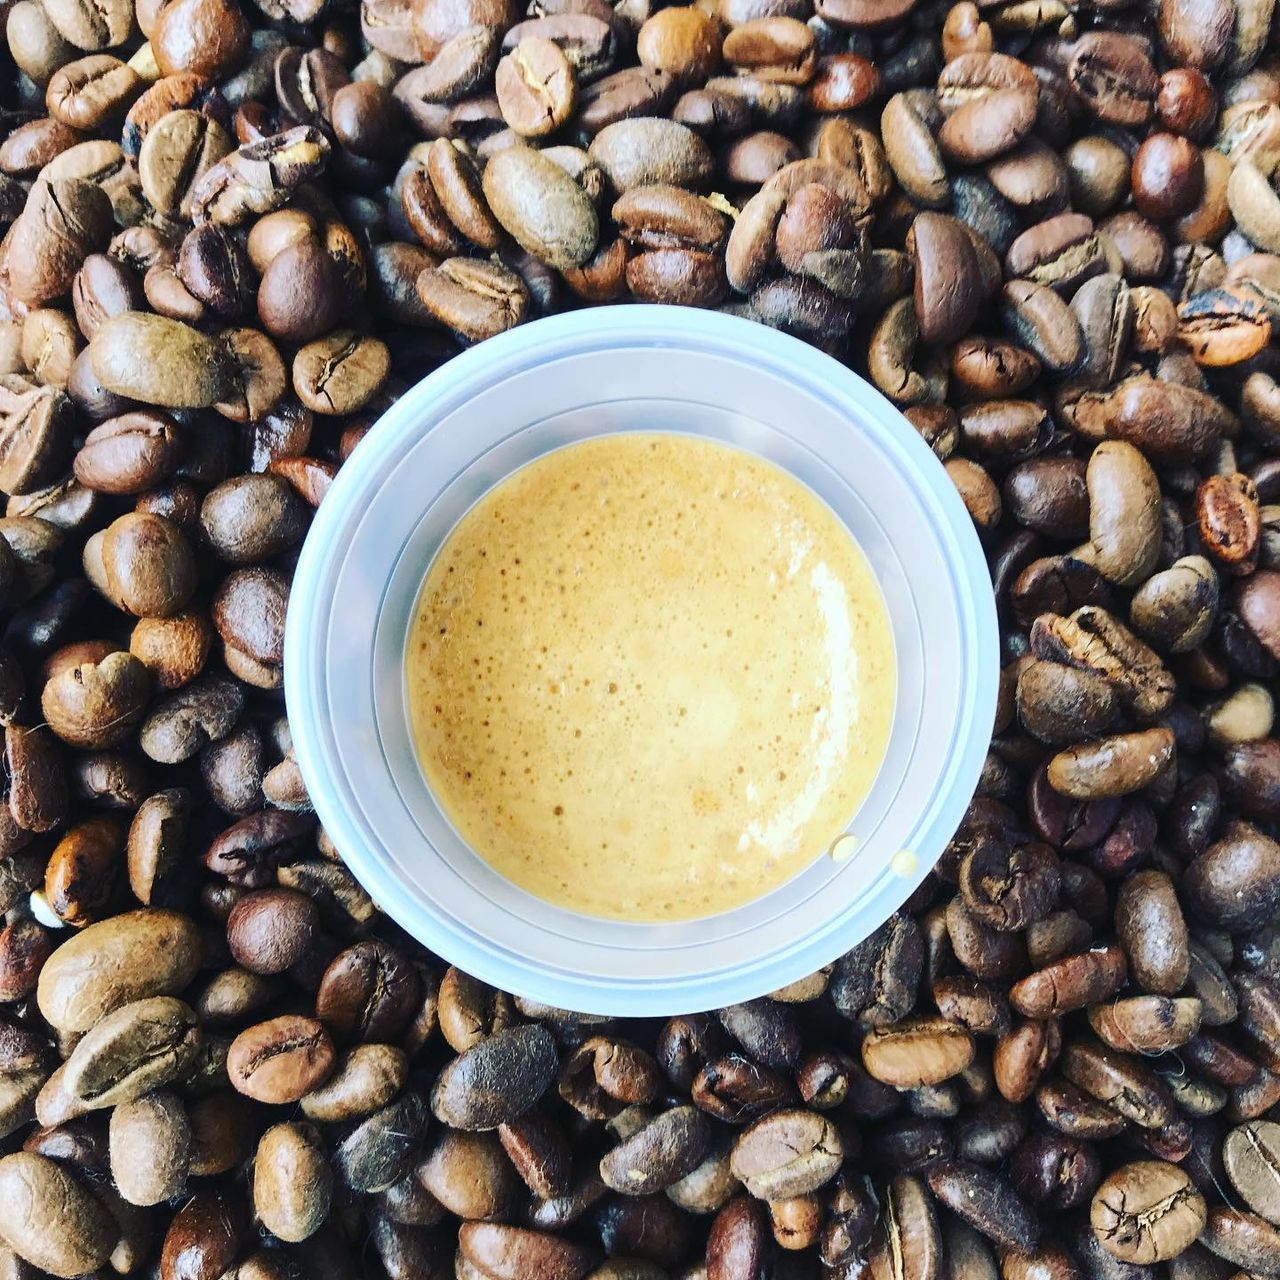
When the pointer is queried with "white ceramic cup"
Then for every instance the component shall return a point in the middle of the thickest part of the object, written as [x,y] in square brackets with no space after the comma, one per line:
[537,388]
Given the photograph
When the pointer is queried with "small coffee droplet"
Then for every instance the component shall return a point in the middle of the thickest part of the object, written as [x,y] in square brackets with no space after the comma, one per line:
[843,847]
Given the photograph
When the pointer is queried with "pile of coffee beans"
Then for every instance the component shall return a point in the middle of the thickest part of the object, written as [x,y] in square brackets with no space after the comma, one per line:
[236,230]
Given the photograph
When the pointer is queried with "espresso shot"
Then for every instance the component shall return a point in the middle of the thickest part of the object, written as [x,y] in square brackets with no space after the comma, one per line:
[650,677]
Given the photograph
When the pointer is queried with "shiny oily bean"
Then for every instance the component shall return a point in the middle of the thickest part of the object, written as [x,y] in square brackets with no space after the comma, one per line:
[469,1175]
[128,454]
[779,49]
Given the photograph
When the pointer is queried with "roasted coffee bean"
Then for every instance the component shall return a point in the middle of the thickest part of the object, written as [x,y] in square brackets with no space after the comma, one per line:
[365,1079]
[535,86]
[139,1047]
[64,220]
[128,454]
[639,152]
[1116,1079]
[1249,1153]
[280,1060]
[109,964]
[1070,983]
[292,1181]
[1153,932]
[735,1089]
[1114,78]
[1244,1239]
[506,1252]
[497,1080]
[985,1202]
[1236,881]
[541,206]
[271,930]
[919,1052]
[788,1153]
[908,1241]
[658,1153]
[368,992]
[1147,1212]
[474,298]
[50,1220]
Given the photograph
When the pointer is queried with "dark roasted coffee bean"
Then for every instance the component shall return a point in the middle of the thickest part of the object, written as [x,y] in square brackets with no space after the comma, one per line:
[985,1202]
[498,1080]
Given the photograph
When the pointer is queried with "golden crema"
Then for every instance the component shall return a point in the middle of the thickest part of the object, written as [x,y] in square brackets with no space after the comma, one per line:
[650,677]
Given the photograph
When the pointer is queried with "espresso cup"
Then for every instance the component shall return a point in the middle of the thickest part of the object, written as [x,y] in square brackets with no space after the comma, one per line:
[543,386]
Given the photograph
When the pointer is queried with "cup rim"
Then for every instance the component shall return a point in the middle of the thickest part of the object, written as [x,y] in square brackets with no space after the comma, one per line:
[413,417]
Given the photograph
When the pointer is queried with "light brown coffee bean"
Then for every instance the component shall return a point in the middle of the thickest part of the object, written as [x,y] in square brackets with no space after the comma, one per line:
[474,298]
[917,1052]
[340,373]
[542,207]
[281,1060]
[788,1153]
[366,1078]
[91,26]
[50,1220]
[128,957]
[138,1047]
[1146,1024]
[92,92]
[65,219]
[913,154]
[1147,1212]
[150,1142]
[1249,1153]
[536,87]
[641,151]
[292,1181]
[1113,766]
